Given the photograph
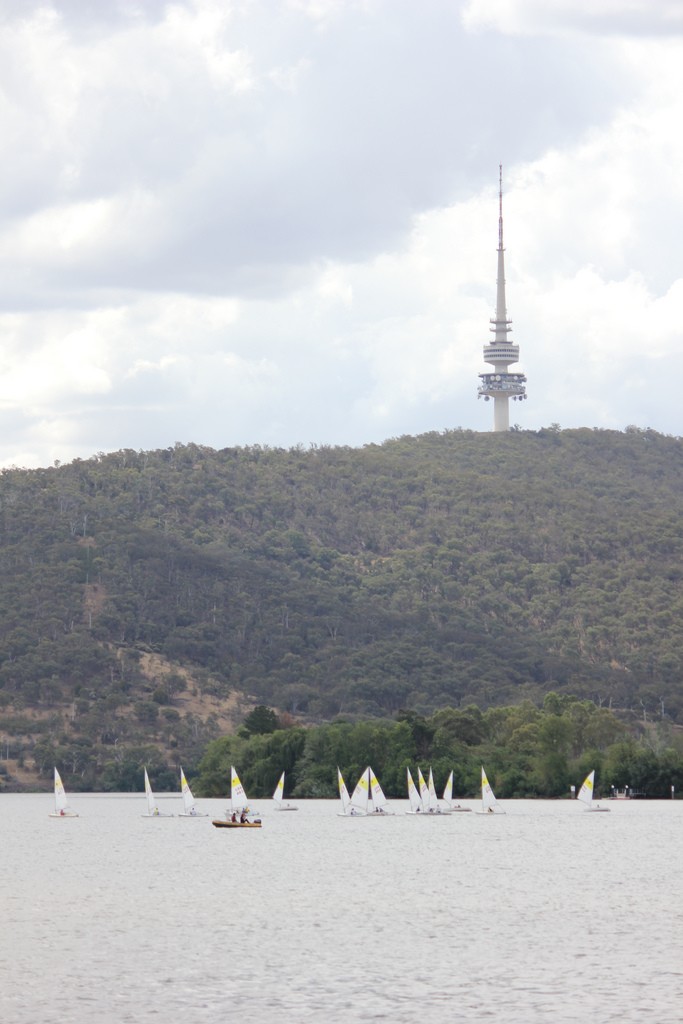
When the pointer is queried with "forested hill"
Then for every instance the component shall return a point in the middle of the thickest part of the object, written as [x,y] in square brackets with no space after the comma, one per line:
[149,599]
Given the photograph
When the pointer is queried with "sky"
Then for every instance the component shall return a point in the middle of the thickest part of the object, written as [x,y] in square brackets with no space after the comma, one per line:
[275,222]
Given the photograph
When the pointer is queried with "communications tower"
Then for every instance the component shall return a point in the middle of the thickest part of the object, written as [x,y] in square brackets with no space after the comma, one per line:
[500,385]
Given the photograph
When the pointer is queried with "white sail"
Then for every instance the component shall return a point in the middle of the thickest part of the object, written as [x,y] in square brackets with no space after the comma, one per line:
[152,806]
[189,805]
[452,807]
[188,799]
[343,794]
[413,795]
[424,790]
[60,795]
[377,797]
[488,800]
[448,791]
[278,797]
[361,794]
[585,794]
[62,809]
[433,798]
[238,798]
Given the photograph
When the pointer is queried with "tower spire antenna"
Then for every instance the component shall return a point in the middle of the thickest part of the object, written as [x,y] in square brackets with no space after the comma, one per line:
[500,207]
[500,385]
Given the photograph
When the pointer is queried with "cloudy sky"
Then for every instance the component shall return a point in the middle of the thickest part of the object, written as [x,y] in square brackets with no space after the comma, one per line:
[275,221]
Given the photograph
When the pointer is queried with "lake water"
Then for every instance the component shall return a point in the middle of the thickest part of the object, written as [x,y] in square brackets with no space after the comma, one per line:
[546,914]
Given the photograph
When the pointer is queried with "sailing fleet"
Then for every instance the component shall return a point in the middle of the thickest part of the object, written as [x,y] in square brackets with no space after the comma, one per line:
[366,801]
[367,798]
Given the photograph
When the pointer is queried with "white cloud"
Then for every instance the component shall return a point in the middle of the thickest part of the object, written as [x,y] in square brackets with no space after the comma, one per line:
[70,358]
[612,17]
[283,229]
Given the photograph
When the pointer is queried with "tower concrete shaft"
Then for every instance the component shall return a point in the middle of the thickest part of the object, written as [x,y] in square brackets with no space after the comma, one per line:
[500,385]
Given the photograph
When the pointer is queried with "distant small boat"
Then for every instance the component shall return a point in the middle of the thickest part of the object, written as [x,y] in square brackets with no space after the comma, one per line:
[425,801]
[413,795]
[424,791]
[434,805]
[361,796]
[343,796]
[278,796]
[489,804]
[238,797]
[152,806]
[62,809]
[189,806]
[448,797]
[226,823]
[378,804]
[585,794]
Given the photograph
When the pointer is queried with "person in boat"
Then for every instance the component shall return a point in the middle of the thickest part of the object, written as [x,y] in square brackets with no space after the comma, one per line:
[243,818]
[234,817]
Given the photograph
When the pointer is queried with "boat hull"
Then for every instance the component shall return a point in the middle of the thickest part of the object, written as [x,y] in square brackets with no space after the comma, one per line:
[67,814]
[429,814]
[236,824]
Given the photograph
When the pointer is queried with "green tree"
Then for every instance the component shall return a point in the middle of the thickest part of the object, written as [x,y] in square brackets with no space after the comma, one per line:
[260,720]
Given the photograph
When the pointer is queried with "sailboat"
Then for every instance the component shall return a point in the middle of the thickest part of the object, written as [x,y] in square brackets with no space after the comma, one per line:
[379,804]
[489,804]
[585,794]
[152,806]
[238,797]
[360,797]
[239,805]
[434,806]
[62,809]
[343,795]
[424,791]
[189,806]
[279,794]
[413,795]
[448,797]
[429,802]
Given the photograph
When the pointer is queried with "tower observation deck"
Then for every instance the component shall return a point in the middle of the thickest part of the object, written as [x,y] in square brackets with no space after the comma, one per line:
[500,385]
